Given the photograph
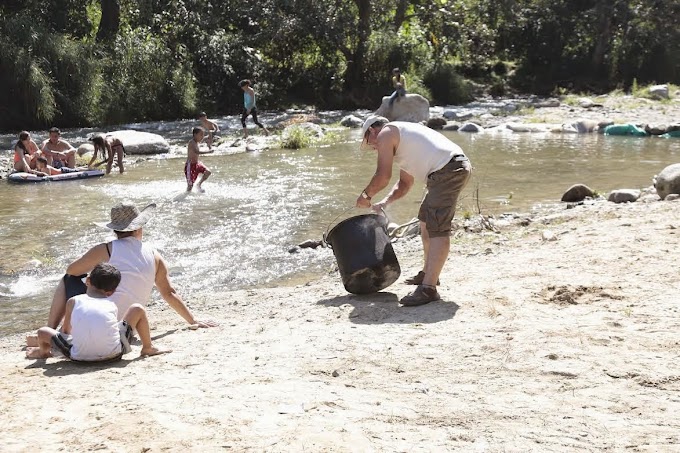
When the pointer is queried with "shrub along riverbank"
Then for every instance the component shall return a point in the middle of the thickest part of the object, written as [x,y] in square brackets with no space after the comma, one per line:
[80,63]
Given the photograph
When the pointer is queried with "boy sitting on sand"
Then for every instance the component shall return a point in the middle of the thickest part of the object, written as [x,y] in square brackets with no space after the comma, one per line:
[194,167]
[91,331]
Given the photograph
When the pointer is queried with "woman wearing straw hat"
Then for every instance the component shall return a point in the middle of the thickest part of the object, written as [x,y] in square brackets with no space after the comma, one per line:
[141,268]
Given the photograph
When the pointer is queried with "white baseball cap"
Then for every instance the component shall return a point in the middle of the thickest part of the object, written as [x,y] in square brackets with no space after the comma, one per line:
[370,121]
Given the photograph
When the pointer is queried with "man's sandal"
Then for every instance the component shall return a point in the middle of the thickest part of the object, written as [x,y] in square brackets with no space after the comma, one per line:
[417,279]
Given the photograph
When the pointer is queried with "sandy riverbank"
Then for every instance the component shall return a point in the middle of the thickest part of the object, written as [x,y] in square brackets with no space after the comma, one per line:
[572,344]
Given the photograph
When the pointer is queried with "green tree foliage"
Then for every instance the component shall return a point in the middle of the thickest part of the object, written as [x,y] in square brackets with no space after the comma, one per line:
[85,62]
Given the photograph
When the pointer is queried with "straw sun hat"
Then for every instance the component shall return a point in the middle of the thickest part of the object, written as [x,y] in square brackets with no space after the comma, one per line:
[126,217]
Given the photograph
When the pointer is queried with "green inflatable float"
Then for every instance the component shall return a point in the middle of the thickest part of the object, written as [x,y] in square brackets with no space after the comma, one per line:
[625,129]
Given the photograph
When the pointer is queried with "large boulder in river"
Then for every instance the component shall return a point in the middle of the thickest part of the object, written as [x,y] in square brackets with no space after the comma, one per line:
[624,196]
[136,142]
[668,181]
[85,148]
[577,192]
[412,108]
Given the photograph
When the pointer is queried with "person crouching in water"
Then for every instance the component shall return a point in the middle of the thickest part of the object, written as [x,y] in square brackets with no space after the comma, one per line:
[193,167]
[91,331]
[249,107]
[108,146]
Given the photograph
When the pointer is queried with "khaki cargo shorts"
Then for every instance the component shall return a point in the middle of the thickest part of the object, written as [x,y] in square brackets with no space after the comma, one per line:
[443,187]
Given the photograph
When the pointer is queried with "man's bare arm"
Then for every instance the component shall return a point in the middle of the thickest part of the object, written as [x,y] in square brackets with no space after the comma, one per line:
[89,260]
[173,299]
[66,325]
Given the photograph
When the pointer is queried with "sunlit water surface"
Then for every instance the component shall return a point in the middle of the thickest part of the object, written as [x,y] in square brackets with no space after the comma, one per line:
[259,205]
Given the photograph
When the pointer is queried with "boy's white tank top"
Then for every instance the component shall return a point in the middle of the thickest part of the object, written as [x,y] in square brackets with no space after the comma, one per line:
[94,329]
[137,266]
[421,150]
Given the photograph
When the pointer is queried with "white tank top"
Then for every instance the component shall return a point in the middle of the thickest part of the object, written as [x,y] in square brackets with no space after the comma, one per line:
[94,329]
[137,265]
[422,150]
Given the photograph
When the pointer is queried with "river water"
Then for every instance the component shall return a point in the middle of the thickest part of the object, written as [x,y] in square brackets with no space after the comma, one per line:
[260,204]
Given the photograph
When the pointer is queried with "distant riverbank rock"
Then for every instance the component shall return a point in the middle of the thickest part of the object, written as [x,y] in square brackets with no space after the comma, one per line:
[668,181]
[656,129]
[577,192]
[659,91]
[137,142]
[351,121]
[471,127]
[602,126]
[454,115]
[412,108]
[585,126]
[587,103]
[624,196]
[436,123]
[529,127]
[546,103]
[311,129]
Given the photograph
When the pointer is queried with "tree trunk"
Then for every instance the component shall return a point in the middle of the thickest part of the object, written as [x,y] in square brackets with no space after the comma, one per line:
[604,14]
[355,66]
[110,21]
[400,14]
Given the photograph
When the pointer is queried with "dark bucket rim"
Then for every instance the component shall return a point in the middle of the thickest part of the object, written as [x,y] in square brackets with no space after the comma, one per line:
[328,235]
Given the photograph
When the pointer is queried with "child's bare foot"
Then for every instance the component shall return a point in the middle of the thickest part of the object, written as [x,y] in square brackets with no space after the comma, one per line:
[32,341]
[153,351]
[34,353]
[200,189]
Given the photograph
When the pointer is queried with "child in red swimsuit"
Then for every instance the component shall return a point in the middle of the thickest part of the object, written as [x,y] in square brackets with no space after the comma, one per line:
[193,166]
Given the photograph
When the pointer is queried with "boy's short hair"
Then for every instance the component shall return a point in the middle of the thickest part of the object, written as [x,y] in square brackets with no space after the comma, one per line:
[243,83]
[42,160]
[201,114]
[196,130]
[105,277]
[55,130]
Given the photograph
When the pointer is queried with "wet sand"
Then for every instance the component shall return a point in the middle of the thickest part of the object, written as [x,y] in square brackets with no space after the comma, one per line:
[564,345]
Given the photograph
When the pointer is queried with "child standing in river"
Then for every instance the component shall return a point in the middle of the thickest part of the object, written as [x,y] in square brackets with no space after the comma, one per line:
[249,107]
[193,167]
[210,127]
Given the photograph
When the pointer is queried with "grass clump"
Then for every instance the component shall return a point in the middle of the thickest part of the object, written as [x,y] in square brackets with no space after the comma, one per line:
[296,138]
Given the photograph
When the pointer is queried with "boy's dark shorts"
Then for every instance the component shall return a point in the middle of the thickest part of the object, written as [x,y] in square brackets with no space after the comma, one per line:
[63,344]
[443,188]
[74,285]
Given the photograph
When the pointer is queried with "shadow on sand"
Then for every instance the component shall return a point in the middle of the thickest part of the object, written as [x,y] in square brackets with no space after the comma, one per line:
[384,308]
[65,367]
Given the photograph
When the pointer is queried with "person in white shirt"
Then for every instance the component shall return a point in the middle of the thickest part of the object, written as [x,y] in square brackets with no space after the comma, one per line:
[423,155]
[141,268]
[91,331]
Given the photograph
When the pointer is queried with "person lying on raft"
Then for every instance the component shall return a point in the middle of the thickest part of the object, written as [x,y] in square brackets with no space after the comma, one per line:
[26,154]
[41,165]
[91,331]
[108,146]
